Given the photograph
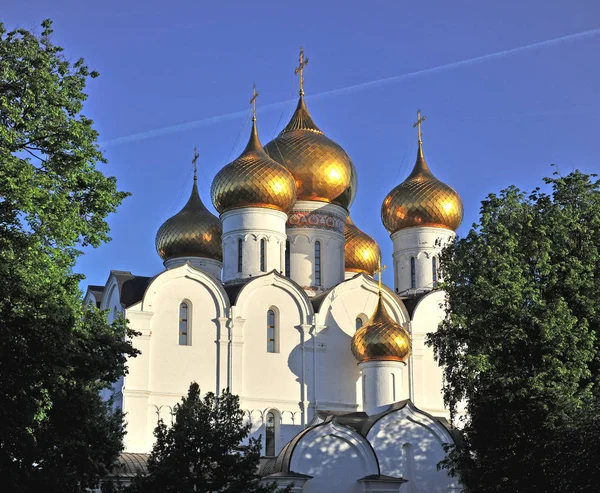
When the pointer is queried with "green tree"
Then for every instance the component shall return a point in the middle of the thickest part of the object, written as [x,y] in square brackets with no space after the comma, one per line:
[202,451]
[56,355]
[519,343]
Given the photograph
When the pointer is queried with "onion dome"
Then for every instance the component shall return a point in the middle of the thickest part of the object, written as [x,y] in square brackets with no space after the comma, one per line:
[253,180]
[422,200]
[381,338]
[361,251]
[192,232]
[321,168]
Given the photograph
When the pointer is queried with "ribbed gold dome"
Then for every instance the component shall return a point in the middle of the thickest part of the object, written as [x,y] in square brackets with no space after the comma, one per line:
[322,169]
[381,338]
[422,200]
[253,180]
[192,232]
[361,251]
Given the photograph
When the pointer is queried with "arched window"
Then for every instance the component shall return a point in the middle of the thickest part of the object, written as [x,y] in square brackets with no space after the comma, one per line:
[287,259]
[408,465]
[270,435]
[359,322]
[263,268]
[183,324]
[317,263]
[393,383]
[413,273]
[434,271]
[240,258]
[272,332]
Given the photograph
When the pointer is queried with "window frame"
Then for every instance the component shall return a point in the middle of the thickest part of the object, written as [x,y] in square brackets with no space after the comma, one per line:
[287,260]
[273,338]
[413,273]
[187,326]
[318,263]
[263,255]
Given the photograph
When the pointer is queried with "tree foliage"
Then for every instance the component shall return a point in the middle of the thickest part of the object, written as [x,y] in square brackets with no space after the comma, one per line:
[55,354]
[519,343]
[202,451]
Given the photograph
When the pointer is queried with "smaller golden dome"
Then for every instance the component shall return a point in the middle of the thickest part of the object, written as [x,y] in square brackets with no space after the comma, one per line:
[381,338]
[253,180]
[422,200]
[321,168]
[192,232]
[361,251]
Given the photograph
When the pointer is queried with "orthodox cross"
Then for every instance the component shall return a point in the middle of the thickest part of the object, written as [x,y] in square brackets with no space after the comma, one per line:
[196,156]
[417,124]
[300,70]
[379,271]
[253,103]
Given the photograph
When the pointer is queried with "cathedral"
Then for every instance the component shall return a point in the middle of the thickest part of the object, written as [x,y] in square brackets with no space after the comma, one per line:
[277,300]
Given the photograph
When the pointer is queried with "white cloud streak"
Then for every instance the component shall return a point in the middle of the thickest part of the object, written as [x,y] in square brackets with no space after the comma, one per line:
[342,91]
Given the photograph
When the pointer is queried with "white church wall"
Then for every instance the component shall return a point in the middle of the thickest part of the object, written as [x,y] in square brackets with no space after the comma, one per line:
[428,376]
[336,457]
[339,386]
[409,444]
[273,379]
[162,373]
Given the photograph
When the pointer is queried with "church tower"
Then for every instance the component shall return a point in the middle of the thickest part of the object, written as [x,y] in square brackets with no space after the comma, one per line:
[192,235]
[326,184]
[421,215]
[382,348]
[253,195]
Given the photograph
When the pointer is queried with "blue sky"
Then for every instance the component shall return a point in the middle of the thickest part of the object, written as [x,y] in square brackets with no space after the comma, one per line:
[491,122]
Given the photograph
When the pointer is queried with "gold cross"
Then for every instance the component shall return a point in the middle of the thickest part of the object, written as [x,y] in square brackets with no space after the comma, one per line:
[196,156]
[418,124]
[253,103]
[379,270]
[300,70]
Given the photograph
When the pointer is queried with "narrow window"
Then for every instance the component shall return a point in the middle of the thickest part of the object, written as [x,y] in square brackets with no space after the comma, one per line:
[240,255]
[271,332]
[359,323]
[262,255]
[413,273]
[287,259]
[317,263]
[434,271]
[393,380]
[183,324]
[270,435]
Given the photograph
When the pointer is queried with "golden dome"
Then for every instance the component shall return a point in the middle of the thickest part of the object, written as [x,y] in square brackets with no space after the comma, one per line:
[192,232]
[422,200]
[321,168]
[253,180]
[361,251]
[381,338]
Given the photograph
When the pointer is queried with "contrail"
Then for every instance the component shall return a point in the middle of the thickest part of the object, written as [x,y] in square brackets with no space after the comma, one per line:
[354,88]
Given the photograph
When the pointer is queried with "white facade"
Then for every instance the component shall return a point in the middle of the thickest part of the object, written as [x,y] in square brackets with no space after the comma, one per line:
[416,257]
[311,370]
[253,242]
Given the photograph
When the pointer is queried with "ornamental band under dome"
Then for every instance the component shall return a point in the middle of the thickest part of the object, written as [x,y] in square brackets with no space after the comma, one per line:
[422,200]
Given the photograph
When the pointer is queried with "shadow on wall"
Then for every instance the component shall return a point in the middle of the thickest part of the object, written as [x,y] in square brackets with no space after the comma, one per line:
[326,372]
